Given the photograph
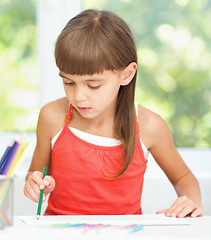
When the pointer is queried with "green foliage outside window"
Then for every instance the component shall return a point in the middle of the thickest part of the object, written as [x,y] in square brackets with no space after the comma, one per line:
[18,67]
[173,41]
[174,51]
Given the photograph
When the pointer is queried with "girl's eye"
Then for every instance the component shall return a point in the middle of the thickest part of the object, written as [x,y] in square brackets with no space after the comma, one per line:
[94,87]
[69,83]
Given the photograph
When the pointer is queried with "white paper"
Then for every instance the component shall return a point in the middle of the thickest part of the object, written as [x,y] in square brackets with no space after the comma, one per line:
[151,220]
[28,227]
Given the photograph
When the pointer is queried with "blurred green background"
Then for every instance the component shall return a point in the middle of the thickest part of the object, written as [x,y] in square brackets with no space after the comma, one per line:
[18,65]
[173,43]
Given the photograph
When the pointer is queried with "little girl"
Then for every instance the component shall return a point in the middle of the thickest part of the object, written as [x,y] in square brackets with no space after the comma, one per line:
[95,140]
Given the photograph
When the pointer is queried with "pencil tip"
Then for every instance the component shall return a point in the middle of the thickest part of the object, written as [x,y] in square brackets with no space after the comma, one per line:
[38,217]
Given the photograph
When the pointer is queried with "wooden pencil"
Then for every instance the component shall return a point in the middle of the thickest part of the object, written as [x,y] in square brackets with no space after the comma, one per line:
[41,196]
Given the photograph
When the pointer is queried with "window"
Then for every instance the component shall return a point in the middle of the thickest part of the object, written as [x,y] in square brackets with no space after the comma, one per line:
[172,39]
[18,75]
[174,51]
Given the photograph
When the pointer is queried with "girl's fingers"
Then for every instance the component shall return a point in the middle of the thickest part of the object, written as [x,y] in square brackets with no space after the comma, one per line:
[48,180]
[35,183]
[32,187]
[37,178]
[49,184]
[30,193]
[185,211]
[35,187]
[161,211]
[177,206]
[27,194]
[182,207]
[197,213]
[179,201]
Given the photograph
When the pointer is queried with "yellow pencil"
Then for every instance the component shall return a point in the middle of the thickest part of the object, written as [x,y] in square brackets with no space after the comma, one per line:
[16,159]
[23,156]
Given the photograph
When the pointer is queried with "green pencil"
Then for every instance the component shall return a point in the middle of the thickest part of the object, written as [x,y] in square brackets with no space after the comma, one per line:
[41,196]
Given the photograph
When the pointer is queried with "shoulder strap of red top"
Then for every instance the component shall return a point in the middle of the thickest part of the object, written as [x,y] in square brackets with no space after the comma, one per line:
[68,115]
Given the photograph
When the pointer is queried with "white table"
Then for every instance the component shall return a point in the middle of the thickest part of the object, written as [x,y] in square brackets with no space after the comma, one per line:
[155,227]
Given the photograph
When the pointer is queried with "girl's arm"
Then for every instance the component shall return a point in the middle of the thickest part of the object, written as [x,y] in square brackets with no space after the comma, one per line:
[41,157]
[158,139]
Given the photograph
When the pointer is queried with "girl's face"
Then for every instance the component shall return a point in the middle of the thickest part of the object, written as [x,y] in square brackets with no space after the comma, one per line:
[93,96]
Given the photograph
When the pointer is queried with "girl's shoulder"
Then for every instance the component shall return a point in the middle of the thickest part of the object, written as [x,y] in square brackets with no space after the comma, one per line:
[147,117]
[52,115]
[56,106]
[152,126]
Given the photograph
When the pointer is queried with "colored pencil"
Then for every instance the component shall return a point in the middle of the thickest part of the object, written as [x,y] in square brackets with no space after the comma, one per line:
[6,218]
[16,159]
[41,196]
[12,152]
[13,156]
[23,156]
[4,157]
[4,190]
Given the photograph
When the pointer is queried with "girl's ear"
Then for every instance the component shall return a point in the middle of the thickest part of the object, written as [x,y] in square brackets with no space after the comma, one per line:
[128,73]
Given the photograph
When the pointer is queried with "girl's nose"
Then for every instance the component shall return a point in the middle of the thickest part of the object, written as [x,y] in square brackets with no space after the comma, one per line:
[80,93]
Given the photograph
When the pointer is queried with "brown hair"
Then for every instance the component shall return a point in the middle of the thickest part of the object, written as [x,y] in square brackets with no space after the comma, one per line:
[94,41]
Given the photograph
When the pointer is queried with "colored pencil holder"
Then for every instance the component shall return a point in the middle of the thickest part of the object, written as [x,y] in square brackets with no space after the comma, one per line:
[6,200]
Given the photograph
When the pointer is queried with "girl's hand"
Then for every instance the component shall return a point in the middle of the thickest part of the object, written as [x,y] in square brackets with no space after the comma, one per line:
[35,183]
[182,207]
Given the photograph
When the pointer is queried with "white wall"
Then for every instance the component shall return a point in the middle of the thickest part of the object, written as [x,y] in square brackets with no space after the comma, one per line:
[158,192]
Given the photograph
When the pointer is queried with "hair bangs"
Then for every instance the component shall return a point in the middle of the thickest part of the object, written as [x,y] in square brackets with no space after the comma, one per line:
[83,54]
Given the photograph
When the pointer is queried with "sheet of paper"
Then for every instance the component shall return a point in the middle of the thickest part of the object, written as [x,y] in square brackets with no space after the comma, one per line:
[80,227]
[125,227]
[151,220]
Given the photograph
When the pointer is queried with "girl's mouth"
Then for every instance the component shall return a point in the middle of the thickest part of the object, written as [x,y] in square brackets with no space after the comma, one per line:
[84,109]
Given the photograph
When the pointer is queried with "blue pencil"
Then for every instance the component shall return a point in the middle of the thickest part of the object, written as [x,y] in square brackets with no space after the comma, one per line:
[10,156]
[4,157]
[137,228]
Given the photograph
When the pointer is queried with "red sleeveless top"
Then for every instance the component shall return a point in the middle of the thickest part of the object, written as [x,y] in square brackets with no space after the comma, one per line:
[81,170]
